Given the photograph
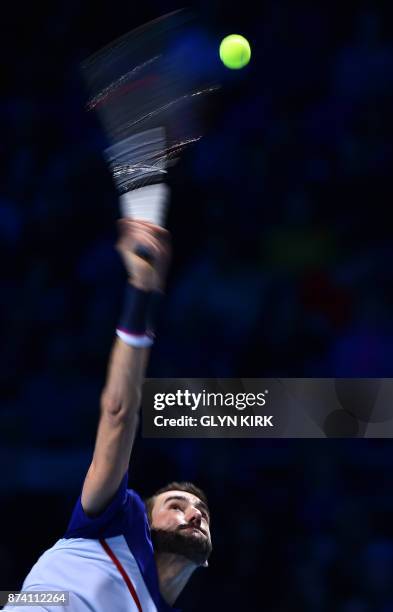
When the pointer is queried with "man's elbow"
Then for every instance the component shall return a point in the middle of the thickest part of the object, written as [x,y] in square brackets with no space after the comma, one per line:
[119,411]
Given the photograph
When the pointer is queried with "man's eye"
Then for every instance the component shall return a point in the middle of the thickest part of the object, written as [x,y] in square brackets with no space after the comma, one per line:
[175,507]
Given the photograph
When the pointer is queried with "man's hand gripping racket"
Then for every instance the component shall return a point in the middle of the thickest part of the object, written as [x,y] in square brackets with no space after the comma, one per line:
[145,251]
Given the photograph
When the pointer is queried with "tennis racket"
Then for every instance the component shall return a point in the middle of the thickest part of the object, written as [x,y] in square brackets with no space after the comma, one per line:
[149,101]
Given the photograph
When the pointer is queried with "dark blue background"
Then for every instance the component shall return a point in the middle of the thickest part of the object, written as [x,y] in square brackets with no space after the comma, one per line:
[282,267]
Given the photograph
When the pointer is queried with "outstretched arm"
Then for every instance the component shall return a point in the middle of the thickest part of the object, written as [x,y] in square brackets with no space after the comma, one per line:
[121,396]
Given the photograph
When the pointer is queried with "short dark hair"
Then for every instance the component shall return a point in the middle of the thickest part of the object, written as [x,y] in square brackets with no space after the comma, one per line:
[187,487]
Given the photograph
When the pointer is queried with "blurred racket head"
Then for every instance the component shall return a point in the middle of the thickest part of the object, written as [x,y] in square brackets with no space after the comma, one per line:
[149,90]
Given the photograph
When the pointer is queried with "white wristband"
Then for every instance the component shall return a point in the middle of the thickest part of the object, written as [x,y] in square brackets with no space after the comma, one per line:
[143,341]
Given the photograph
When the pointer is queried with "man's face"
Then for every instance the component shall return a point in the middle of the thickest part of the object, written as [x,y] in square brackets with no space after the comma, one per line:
[180,525]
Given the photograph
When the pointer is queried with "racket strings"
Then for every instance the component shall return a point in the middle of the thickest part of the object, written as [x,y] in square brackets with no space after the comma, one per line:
[148,100]
[185,98]
[116,86]
[143,79]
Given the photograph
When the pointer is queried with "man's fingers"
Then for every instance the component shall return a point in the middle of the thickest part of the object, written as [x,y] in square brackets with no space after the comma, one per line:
[130,226]
[143,245]
[136,234]
[144,248]
[129,241]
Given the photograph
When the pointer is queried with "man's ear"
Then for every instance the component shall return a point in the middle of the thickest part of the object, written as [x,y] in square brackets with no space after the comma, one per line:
[206,564]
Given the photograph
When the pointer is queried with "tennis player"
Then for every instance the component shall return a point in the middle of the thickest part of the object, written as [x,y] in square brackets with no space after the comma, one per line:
[120,554]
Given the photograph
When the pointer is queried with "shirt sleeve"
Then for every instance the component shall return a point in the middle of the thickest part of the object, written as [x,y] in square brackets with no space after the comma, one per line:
[108,523]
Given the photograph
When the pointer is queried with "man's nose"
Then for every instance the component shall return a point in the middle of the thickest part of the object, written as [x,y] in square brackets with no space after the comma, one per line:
[193,515]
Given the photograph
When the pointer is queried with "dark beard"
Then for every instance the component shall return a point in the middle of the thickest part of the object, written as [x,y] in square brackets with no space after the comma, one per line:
[188,545]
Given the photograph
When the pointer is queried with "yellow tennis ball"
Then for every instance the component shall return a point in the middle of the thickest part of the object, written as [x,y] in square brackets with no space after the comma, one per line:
[235,51]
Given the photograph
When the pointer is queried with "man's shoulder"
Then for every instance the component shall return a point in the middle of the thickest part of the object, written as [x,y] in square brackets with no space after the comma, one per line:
[134,495]
[126,507]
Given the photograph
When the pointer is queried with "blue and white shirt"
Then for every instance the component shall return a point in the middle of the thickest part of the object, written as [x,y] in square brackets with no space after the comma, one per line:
[105,563]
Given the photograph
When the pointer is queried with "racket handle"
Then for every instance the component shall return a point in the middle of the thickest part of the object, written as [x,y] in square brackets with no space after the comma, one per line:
[144,253]
[147,203]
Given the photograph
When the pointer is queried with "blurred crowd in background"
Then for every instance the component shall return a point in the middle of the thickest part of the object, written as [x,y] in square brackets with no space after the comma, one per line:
[281,267]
